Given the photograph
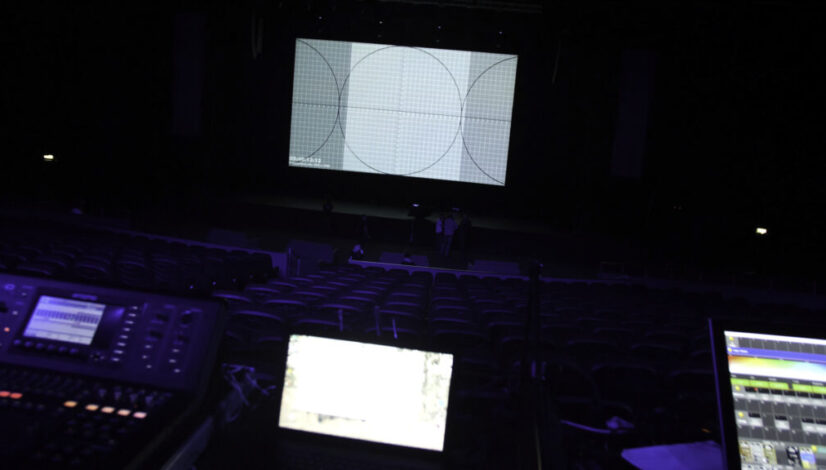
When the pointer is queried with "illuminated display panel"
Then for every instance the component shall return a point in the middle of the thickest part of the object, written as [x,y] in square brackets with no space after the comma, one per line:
[369,392]
[68,320]
[778,387]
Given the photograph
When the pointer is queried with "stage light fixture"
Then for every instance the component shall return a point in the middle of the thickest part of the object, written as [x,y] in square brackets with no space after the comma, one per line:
[761,231]
[48,157]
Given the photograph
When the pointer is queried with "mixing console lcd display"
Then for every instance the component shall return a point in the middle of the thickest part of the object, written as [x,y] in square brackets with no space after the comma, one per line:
[73,321]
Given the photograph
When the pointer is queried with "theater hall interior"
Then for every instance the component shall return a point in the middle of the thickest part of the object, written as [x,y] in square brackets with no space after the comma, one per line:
[457,234]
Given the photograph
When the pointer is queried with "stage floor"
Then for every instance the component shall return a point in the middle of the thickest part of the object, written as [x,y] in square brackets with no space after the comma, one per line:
[394,212]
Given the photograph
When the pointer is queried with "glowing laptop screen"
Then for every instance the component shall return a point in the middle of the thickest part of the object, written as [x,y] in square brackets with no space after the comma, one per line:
[366,391]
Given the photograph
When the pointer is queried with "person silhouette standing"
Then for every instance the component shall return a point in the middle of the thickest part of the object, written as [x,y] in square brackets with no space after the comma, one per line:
[449,229]
[440,223]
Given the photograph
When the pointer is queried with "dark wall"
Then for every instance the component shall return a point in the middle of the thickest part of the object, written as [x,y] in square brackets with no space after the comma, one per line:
[91,87]
[732,144]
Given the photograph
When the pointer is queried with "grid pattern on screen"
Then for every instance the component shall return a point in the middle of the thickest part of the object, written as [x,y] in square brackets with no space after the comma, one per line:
[315,140]
[406,111]
[487,119]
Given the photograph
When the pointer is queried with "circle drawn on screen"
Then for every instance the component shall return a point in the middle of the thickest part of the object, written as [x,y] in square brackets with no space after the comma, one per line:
[436,120]
[322,114]
[329,113]
[493,123]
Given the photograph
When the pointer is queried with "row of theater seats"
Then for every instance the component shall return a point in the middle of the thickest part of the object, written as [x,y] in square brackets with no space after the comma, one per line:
[607,349]
[131,261]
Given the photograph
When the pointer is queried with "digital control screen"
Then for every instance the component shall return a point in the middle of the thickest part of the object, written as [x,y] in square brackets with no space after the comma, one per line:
[366,391]
[778,385]
[59,319]
[405,111]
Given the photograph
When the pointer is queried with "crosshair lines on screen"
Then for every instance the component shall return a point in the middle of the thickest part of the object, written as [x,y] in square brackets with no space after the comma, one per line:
[402,111]
[419,116]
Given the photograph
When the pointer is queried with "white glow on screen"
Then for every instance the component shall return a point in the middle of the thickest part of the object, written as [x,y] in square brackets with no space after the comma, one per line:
[68,320]
[368,392]
[48,157]
[761,231]
[405,111]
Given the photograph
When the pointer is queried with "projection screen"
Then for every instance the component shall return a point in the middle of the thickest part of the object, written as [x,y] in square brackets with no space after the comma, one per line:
[398,110]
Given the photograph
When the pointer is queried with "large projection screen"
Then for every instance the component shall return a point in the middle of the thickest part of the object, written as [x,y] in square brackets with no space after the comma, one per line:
[398,110]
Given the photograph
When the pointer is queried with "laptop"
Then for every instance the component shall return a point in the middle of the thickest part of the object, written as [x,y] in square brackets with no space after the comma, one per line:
[771,391]
[362,404]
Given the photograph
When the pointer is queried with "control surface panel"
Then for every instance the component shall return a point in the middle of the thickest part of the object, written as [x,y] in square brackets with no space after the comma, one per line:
[105,333]
[94,377]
